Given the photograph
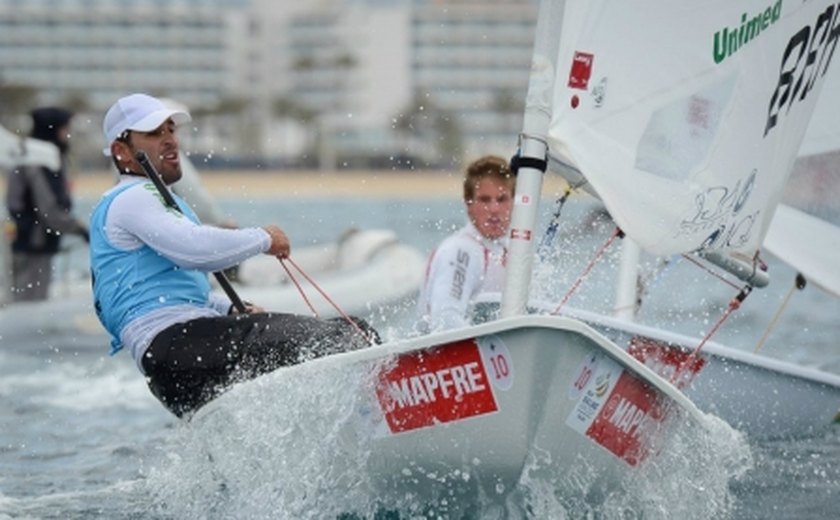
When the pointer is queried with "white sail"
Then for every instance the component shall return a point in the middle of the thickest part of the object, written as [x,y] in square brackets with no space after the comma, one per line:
[685,117]
[823,133]
[808,244]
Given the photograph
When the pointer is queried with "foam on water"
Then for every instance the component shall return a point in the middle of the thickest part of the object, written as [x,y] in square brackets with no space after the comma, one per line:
[689,477]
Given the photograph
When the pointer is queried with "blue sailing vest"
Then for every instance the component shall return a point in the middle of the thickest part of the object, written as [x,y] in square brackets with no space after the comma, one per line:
[129,284]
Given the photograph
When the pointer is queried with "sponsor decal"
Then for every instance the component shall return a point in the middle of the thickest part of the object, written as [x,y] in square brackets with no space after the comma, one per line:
[665,359]
[440,385]
[584,373]
[581,70]
[497,360]
[523,199]
[618,411]
[729,40]
[806,57]
[456,290]
[522,234]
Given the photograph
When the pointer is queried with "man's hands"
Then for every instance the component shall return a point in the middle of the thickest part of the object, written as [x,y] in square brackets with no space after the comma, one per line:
[250,308]
[280,246]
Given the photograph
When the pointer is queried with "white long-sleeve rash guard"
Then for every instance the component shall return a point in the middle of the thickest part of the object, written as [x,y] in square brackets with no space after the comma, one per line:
[463,266]
[138,215]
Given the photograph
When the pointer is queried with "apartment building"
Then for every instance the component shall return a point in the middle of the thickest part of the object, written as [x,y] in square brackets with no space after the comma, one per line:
[340,80]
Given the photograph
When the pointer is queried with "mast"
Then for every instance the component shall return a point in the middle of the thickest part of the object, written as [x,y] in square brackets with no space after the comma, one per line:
[626,292]
[533,149]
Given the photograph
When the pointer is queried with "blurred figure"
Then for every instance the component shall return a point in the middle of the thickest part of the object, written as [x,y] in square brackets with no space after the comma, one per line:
[472,260]
[39,204]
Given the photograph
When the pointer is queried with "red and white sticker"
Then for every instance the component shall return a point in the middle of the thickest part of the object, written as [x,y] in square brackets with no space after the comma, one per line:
[584,373]
[520,234]
[440,385]
[618,411]
[523,200]
[498,361]
[581,70]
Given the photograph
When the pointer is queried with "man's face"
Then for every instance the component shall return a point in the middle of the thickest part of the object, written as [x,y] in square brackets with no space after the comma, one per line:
[490,208]
[161,146]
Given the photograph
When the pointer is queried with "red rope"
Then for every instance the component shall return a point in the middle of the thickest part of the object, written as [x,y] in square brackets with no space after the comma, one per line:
[616,234]
[733,306]
[299,288]
[324,294]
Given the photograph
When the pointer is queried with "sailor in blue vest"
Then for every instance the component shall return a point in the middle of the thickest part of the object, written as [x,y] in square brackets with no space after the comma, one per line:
[150,266]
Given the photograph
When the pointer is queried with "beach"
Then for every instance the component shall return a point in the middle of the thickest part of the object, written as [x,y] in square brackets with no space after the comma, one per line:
[310,183]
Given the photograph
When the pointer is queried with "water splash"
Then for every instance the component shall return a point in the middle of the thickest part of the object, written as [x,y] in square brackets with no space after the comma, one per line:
[276,447]
[689,478]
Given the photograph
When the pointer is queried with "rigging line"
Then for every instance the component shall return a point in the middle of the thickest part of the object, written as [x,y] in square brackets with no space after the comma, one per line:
[734,304]
[299,288]
[335,306]
[551,230]
[716,275]
[618,233]
[798,283]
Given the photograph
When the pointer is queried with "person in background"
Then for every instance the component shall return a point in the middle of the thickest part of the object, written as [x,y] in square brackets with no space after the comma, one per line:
[471,260]
[39,205]
[150,268]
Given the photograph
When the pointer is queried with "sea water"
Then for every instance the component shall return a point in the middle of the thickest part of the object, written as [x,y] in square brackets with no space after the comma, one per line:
[82,437]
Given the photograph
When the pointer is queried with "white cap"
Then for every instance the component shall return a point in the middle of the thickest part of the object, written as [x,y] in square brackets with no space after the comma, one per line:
[139,112]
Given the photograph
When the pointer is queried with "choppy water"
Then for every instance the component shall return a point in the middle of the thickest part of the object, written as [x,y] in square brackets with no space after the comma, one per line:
[81,436]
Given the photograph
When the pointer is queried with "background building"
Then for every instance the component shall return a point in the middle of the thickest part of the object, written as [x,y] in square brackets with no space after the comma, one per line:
[383,83]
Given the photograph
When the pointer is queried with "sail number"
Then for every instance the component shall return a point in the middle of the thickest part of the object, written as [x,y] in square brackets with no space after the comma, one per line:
[497,361]
[806,57]
[583,378]
[500,366]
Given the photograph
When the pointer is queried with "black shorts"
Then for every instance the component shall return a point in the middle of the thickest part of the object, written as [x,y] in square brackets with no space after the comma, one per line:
[188,364]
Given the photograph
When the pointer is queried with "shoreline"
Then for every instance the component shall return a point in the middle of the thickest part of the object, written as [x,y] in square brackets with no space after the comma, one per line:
[303,183]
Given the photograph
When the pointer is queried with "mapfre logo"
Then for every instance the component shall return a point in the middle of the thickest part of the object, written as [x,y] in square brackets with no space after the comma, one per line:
[444,384]
[806,57]
[581,70]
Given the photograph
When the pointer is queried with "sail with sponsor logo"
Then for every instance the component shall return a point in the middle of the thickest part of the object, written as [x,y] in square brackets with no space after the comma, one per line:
[685,121]
[688,131]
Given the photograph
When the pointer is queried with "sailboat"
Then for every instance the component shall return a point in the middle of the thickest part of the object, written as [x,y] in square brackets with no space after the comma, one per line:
[685,120]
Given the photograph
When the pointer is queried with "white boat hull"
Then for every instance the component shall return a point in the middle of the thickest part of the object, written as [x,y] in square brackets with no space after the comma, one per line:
[471,411]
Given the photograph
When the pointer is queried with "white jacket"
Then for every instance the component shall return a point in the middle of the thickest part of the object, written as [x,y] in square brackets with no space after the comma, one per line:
[463,266]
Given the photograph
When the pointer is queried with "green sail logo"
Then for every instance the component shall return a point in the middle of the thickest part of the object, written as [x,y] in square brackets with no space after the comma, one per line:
[729,40]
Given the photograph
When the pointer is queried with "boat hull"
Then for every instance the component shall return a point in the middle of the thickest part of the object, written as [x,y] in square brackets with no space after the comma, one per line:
[475,411]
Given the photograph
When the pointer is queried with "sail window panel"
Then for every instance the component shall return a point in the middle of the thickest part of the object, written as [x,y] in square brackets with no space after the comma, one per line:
[679,136]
